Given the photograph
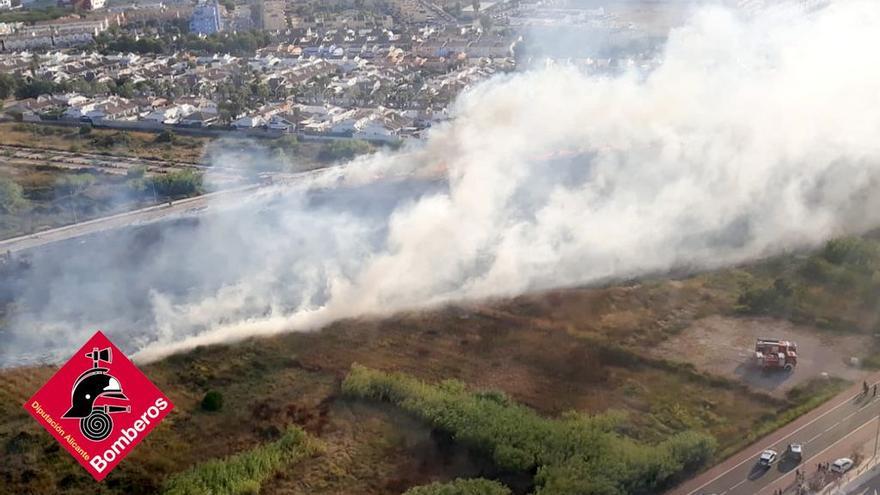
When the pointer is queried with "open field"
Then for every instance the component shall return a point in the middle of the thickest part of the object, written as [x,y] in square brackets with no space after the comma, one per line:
[140,144]
[669,354]
[61,184]
[179,151]
[553,352]
[725,346]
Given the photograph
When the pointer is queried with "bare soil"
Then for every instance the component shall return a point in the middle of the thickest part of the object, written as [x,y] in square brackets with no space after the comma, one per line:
[725,346]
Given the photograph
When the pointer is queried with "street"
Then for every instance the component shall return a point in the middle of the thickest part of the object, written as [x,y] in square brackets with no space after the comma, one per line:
[845,427]
[187,206]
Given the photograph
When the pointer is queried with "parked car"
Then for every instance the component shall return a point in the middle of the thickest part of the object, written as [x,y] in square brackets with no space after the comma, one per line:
[768,457]
[842,465]
[795,452]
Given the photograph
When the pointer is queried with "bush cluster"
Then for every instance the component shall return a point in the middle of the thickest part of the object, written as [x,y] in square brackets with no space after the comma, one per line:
[829,288]
[243,473]
[576,454]
[176,184]
[478,486]
[212,401]
[343,149]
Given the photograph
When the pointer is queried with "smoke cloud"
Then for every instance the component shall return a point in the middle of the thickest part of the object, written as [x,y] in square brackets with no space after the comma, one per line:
[753,134]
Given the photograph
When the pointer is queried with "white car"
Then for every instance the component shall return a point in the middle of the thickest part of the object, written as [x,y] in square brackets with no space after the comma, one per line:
[842,465]
[767,458]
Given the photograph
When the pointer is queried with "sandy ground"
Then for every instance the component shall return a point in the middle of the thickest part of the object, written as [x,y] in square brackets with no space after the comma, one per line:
[725,345]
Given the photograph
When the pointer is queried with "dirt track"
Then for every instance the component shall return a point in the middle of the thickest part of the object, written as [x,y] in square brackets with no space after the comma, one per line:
[725,345]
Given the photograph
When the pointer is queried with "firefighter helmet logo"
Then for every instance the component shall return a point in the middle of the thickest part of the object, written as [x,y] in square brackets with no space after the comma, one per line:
[93,386]
[98,406]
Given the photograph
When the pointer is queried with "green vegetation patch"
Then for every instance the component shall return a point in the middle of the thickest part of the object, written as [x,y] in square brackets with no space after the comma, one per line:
[575,454]
[835,288]
[30,16]
[343,149]
[243,473]
[478,486]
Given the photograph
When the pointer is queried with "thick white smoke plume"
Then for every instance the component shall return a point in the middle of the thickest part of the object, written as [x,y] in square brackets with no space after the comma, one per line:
[752,136]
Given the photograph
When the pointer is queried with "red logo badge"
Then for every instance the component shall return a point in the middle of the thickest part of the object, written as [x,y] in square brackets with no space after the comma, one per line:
[99,406]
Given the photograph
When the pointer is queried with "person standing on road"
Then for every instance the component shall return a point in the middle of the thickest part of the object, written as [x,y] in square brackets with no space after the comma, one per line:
[875,390]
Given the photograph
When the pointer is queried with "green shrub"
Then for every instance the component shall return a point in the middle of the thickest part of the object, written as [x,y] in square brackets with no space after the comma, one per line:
[180,183]
[818,270]
[574,454]
[213,401]
[122,139]
[343,149]
[137,172]
[774,300]
[244,473]
[478,486]
[73,184]
[165,137]
[287,143]
[850,250]
[11,196]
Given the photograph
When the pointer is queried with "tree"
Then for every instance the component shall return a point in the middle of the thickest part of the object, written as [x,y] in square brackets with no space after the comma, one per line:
[486,22]
[181,183]
[343,149]
[35,88]
[229,5]
[8,84]
[11,196]
[74,185]
[125,89]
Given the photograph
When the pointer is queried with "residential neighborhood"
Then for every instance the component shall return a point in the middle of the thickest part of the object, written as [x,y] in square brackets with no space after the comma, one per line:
[333,71]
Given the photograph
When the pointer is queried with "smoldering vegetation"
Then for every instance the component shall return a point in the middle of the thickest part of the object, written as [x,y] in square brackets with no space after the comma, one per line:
[753,135]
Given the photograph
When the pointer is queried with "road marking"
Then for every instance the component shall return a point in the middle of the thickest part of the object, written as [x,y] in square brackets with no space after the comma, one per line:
[738,484]
[750,458]
[832,427]
[858,410]
[818,454]
[815,437]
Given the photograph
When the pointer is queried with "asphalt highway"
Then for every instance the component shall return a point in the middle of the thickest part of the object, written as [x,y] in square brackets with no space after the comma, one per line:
[189,206]
[143,215]
[833,433]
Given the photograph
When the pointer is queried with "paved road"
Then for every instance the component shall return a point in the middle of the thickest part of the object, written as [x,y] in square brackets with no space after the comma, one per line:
[870,487]
[843,425]
[189,206]
[866,484]
[143,215]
